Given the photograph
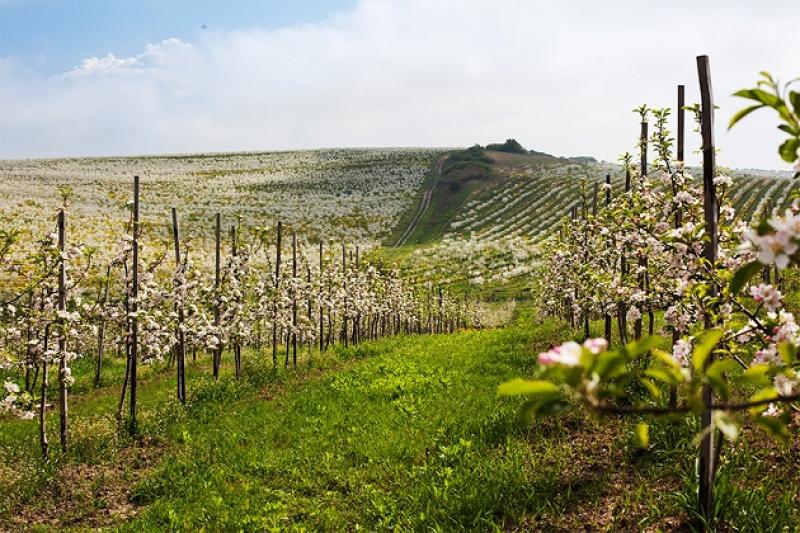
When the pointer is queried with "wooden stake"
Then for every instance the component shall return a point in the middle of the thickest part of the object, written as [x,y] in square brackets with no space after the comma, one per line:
[180,346]
[321,317]
[711,211]
[134,307]
[237,346]
[275,299]
[294,299]
[217,356]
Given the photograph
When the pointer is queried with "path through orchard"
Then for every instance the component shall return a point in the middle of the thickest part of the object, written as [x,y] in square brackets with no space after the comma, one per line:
[405,432]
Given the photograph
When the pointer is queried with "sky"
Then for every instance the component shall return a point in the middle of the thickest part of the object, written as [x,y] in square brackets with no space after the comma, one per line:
[122,77]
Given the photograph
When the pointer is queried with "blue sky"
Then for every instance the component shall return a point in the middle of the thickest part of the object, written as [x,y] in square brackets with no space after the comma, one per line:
[53,36]
[138,77]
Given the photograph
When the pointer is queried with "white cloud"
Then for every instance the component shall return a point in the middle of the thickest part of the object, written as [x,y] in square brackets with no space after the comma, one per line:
[560,77]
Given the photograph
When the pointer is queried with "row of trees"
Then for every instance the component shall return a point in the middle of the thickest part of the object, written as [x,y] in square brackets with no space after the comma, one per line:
[162,300]
[672,243]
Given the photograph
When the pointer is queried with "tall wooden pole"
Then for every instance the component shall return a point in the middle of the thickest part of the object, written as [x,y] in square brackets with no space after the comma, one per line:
[607,317]
[637,325]
[321,317]
[344,307]
[217,357]
[681,112]
[294,299]
[134,306]
[275,298]
[643,150]
[62,333]
[711,212]
[237,345]
[180,346]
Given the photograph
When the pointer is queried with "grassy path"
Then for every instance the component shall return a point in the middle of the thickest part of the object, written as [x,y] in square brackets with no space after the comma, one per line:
[402,434]
[377,444]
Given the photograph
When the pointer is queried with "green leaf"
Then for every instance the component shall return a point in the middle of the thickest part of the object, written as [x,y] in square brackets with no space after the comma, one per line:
[652,388]
[768,393]
[643,435]
[759,95]
[668,376]
[717,368]
[757,375]
[642,346]
[519,386]
[787,352]
[610,365]
[788,150]
[774,427]
[794,98]
[667,359]
[728,424]
[744,275]
[743,113]
[703,350]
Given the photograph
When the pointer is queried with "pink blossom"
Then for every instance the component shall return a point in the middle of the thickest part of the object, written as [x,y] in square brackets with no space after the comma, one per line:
[767,295]
[596,345]
[568,354]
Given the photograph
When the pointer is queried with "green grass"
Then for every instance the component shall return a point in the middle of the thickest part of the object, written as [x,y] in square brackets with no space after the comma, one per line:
[405,433]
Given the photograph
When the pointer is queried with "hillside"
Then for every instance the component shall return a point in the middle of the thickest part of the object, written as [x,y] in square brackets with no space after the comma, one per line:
[483,235]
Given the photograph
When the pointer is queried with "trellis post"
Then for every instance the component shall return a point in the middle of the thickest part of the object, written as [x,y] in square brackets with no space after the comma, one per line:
[275,298]
[711,211]
[134,306]
[217,356]
[180,347]
[62,346]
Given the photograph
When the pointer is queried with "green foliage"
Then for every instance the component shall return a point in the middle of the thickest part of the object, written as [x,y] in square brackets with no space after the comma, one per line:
[510,146]
[786,102]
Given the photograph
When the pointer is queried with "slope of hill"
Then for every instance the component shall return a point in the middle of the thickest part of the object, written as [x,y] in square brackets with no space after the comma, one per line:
[485,234]
[351,195]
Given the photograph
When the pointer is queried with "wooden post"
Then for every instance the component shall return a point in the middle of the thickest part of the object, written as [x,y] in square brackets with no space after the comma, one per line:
[308,301]
[607,330]
[294,299]
[673,390]
[627,179]
[344,307]
[217,356]
[439,325]
[643,150]
[275,299]
[594,198]
[321,317]
[237,345]
[711,211]
[637,325]
[180,346]
[62,331]
[357,317]
[134,307]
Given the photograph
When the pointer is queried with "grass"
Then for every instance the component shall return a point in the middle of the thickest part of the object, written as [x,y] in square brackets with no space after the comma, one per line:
[404,433]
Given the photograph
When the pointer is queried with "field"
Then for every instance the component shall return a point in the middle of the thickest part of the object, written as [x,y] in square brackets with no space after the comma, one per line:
[395,423]
[357,195]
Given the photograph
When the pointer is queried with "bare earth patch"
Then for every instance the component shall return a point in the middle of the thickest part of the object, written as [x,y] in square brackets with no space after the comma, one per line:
[90,495]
